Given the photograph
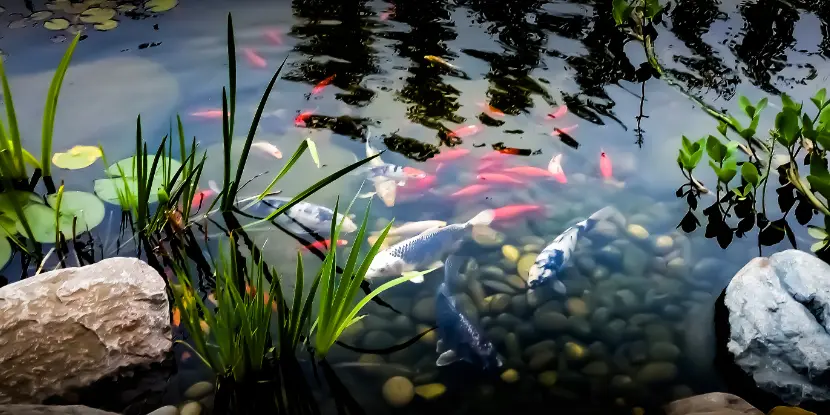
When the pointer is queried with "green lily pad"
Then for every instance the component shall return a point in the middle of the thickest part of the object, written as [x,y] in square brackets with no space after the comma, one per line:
[77,157]
[5,251]
[88,208]
[109,189]
[41,219]
[158,6]
[97,15]
[128,167]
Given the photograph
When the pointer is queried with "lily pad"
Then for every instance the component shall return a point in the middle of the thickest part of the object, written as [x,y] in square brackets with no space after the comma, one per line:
[41,219]
[97,15]
[88,208]
[41,15]
[77,157]
[159,6]
[108,25]
[56,24]
[124,8]
[128,167]
[5,251]
[109,189]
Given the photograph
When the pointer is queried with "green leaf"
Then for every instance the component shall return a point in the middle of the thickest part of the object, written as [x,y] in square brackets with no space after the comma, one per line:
[725,173]
[722,127]
[746,106]
[125,189]
[787,124]
[5,251]
[731,147]
[715,149]
[51,106]
[312,149]
[735,123]
[695,159]
[761,105]
[818,246]
[687,145]
[818,99]
[788,103]
[807,129]
[750,173]
[89,209]
[77,157]
[41,219]
[652,8]
[823,138]
[819,184]
[621,11]
[817,232]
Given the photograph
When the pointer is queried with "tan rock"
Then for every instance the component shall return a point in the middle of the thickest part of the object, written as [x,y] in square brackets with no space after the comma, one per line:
[68,328]
[715,403]
[51,410]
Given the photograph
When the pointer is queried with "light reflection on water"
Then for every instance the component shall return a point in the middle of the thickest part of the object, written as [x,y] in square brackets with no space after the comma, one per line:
[626,304]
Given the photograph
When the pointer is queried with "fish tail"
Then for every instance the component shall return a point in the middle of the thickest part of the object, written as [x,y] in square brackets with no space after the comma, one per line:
[485,217]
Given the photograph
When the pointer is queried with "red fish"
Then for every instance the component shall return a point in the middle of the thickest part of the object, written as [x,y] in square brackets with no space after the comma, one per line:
[200,196]
[513,211]
[491,110]
[301,119]
[324,244]
[471,190]
[498,178]
[494,155]
[566,130]
[414,173]
[418,185]
[465,131]
[528,171]
[208,114]
[605,165]
[274,36]
[559,113]
[449,155]
[322,85]
[490,165]
[254,59]
[555,168]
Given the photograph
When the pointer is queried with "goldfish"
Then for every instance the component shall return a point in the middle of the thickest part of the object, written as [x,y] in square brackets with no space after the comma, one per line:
[208,114]
[212,298]
[324,244]
[419,185]
[424,251]
[439,60]
[185,356]
[200,196]
[605,167]
[268,148]
[177,317]
[555,168]
[449,155]
[564,130]
[560,112]
[554,257]
[204,326]
[465,131]
[498,178]
[302,118]
[459,337]
[528,171]
[513,151]
[490,109]
[322,85]
[513,211]
[254,58]
[302,218]
[471,190]
[274,36]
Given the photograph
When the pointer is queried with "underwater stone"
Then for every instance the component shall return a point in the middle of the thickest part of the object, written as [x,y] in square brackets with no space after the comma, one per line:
[514,349]
[198,390]
[524,264]
[498,303]
[537,296]
[547,378]
[605,231]
[676,268]
[627,298]
[664,351]
[519,305]
[663,244]
[515,282]
[508,321]
[673,311]
[579,326]
[595,369]
[430,391]
[487,236]
[712,403]
[402,323]
[532,248]
[642,318]
[498,287]
[637,232]
[614,330]
[600,317]
[635,260]
[71,327]
[525,330]
[164,410]
[622,383]
[681,391]
[424,310]
[709,269]
[497,334]
[191,408]
[541,359]
[550,321]
[398,391]
[491,272]
[575,351]
[510,376]
[637,351]
[610,256]
[430,338]
[511,253]
[377,339]
[600,273]
[658,333]
[476,291]
[585,264]
[657,372]
[532,240]
[538,347]
[577,307]
[598,350]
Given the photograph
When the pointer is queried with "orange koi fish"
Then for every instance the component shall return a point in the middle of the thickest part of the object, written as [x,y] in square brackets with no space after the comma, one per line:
[386,14]
[471,190]
[498,178]
[324,244]
[274,36]
[268,148]
[322,85]
[254,59]
[300,120]
[559,113]
[491,110]
[605,167]
[200,196]
[185,356]
[465,131]
[177,317]
[418,185]
[439,60]
[514,211]
[555,168]
[208,114]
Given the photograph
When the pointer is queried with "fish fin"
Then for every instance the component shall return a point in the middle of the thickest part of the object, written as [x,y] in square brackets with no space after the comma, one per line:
[366,195]
[402,183]
[452,266]
[559,287]
[439,347]
[485,217]
[213,186]
[446,358]
[417,279]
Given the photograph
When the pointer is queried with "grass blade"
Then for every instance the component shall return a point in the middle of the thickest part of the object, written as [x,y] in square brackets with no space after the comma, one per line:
[51,107]
[11,117]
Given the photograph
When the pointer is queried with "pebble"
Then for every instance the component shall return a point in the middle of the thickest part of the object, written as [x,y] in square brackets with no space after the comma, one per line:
[579,326]
[627,298]
[605,230]
[657,372]
[498,303]
[552,305]
[621,382]
[532,248]
[430,391]
[487,236]
[673,311]
[635,261]
[430,338]
[378,339]
[467,306]
[515,281]
[541,359]
[198,390]
[424,310]
[658,333]
[525,330]
[550,321]
[476,291]
[663,244]
[519,305]
[574,351]
[664,351]
[642,318]
[600,317]
[637,232]
[508,321]
[165,410]
[595,369]
[511,253]
[510,376]
[191,408]
[577,307]
[497,334]
[547,378]
[524,264]
[681,391]
[536,297]
[610,255]
[498,287]
[600,273]
[598,350]
[514,349]
[614,330]
[676,268]
[532,239]
[398,391]
[491,272]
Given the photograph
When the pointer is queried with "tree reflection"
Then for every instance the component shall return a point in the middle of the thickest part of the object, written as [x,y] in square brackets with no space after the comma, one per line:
[768,33]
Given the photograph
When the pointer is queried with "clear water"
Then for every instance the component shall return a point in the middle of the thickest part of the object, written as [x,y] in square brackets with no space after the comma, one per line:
[623,297]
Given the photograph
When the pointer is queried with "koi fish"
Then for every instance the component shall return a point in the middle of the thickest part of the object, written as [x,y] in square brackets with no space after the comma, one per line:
[439,60]
[386,14]
[185,356]
[564,130]
[555,168]
[514,211]
[419,185]
[424,251]
[465,131]
[489,166]
[449,155]
[494,155]
[208,114]
[300,120]
[554,257]
[513,151]
[605,167]
[302,218]
[408,230]
[498,178]
[274,36]
[324,244]
[471,190]
[177,317]
[490,109]
[268,148]
[559,113]
[528,171]
[200,196]
[322,85]
[385,188]
[254,58]
[459,338]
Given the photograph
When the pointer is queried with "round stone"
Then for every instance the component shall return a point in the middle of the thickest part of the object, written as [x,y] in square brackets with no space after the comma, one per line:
[579,326]
[525,262]
[574,351]
[519,305]
[676,268]
[541,359]
[515,282]
[491,272]
[198,390]
[510,376]
[595,369]
[487,236]
[532,240]
[398,391]
[191,408]
[664,351]
[577,307]
[498,303]
[165,410]
[606,230]
[424,310]
[540,346]
[663,244]
[514,349]
[511,253]
[547,378]
[657,372]
[658,333]
[637,232]
[531,248]
[621,382]
[430,391]
[550,321]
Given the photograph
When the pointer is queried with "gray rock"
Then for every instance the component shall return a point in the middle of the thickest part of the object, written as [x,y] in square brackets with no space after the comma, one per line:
[662,244]
[598,350]
[71,327]
[642,318]
[635,260]
[508,321]
[538,296]
[550,321]
[599,273]
[424,310]
[585,264]
[715,403]
[532,240]
[57,410]
[552,305]
[518,304]
[622,383]
[605,231]
[198,390]
[595,369]
[627,298]
[476,291]
[610,256]
[673,311]
[637,351]
[779,315]
[657,372]
[677,268]
[579,326]
[600,317]
[497,334]
[664,351]
[498,287]
[377,339]
[191,408]
[542,345]
[525,330]
[165,410]
[491,272]
[710,269]
[658,333]
[614,330]
[541,359]
[514,349]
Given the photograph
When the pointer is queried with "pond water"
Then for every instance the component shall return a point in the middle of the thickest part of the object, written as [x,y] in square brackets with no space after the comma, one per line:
[632,330]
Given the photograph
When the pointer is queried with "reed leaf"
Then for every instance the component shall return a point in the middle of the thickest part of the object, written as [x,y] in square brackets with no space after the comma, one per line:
[51,107]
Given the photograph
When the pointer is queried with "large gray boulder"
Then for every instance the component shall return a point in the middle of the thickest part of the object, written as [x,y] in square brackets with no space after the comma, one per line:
[778,321]
[715,403]
[68,328]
